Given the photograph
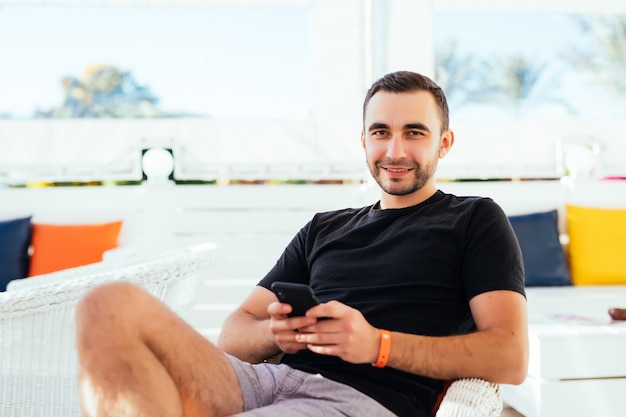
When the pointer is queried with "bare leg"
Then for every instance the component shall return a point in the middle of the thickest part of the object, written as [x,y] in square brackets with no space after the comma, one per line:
[137,358]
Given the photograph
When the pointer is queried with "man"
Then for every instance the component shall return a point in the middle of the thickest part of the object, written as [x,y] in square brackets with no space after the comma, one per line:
[420,288]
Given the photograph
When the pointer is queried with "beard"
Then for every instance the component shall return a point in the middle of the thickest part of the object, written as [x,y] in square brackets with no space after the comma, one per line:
[406,185]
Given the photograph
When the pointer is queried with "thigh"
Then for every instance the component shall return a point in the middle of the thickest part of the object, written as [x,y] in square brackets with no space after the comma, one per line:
[278,390]
[128,319]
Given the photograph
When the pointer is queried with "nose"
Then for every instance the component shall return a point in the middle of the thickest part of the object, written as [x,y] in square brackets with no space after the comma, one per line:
[395,148]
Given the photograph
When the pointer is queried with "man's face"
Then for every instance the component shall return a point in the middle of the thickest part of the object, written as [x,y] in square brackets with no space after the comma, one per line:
[402,140]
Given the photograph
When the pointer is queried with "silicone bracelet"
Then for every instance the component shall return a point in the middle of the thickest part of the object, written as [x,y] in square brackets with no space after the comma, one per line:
[385,348]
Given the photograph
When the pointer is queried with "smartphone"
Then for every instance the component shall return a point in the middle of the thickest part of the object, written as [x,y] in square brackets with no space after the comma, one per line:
[299,296]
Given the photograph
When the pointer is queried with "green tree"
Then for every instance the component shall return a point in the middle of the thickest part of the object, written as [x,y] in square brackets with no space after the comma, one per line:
[517,82]
[104,91]
[512,82]
[456,74]
[604,61]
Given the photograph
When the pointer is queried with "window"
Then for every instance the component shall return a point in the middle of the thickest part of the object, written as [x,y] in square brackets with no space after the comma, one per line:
[567,65]
[155,62]
[272,89]
[528,83]
[242,88]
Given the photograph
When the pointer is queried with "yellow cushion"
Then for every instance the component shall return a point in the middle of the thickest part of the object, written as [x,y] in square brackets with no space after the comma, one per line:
[597,245]
[57,247]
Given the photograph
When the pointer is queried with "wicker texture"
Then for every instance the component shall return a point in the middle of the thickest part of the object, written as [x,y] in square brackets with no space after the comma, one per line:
[38,359]
[471,397]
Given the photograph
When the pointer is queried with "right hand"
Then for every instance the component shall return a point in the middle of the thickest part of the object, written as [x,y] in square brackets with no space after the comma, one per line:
[285,328]
[617,313]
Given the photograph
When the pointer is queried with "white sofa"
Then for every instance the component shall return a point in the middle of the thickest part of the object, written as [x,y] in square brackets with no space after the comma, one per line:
[577,366]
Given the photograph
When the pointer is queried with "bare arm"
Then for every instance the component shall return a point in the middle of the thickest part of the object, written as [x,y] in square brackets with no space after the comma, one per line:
[497,351]
[245,332]
[260,329]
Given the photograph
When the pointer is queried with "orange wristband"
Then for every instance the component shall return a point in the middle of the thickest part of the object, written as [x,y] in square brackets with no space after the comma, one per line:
[385,348]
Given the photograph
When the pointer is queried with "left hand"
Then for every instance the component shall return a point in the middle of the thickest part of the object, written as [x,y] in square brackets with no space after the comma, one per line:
[284,329]
[347,335]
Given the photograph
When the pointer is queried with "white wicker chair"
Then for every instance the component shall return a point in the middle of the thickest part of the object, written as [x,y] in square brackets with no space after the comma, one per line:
[471,397]
[38,361]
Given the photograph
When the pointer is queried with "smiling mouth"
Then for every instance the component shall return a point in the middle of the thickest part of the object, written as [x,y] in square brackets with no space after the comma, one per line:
[396,170]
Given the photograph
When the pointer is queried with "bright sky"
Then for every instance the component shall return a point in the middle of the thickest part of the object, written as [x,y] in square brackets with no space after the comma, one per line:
[226,62]
[237,62]
[541,37]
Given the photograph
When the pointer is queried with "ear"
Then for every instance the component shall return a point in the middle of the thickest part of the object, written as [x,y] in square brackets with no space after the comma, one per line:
[363,139]
[447,140]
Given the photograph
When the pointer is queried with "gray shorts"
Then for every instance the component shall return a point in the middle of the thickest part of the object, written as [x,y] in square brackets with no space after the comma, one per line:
[278,390]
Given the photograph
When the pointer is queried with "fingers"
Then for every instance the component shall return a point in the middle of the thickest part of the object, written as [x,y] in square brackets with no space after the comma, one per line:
[356,347]
[348,335]
[329,310]
[278,309]
[285,329]
[617,313]
[321,337]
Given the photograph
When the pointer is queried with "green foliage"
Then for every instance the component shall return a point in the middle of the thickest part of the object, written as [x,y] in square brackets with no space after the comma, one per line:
[457,74]
[604,60]
[104,91]
[511,81]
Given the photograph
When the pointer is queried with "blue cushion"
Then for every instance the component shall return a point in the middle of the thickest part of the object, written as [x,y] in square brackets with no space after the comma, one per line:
[544,261]
[15,237]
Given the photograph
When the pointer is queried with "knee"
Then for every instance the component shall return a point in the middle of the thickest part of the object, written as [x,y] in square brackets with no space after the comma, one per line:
[106,298]
[106,306]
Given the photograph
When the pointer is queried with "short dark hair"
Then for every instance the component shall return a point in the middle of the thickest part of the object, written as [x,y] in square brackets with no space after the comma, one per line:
[406,82]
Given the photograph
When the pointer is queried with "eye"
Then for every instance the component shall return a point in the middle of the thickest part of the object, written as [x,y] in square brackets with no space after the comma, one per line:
[378,133]
[415,133]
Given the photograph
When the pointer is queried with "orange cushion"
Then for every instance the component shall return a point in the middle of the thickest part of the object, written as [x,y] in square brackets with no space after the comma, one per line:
[57,246]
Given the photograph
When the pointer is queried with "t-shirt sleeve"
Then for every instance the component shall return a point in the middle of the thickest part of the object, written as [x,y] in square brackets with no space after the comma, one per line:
[493,259]
[292,265]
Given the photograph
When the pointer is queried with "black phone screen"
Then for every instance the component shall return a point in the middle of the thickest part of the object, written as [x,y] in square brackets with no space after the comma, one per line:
[299,296]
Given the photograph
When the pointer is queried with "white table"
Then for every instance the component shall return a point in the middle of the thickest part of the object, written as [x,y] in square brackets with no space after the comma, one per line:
[577,362]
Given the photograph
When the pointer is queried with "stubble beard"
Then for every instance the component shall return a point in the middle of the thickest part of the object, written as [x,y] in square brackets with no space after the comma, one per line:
[398,186]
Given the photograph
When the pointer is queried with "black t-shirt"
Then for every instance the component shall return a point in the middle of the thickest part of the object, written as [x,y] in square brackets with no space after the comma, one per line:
[409,270]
